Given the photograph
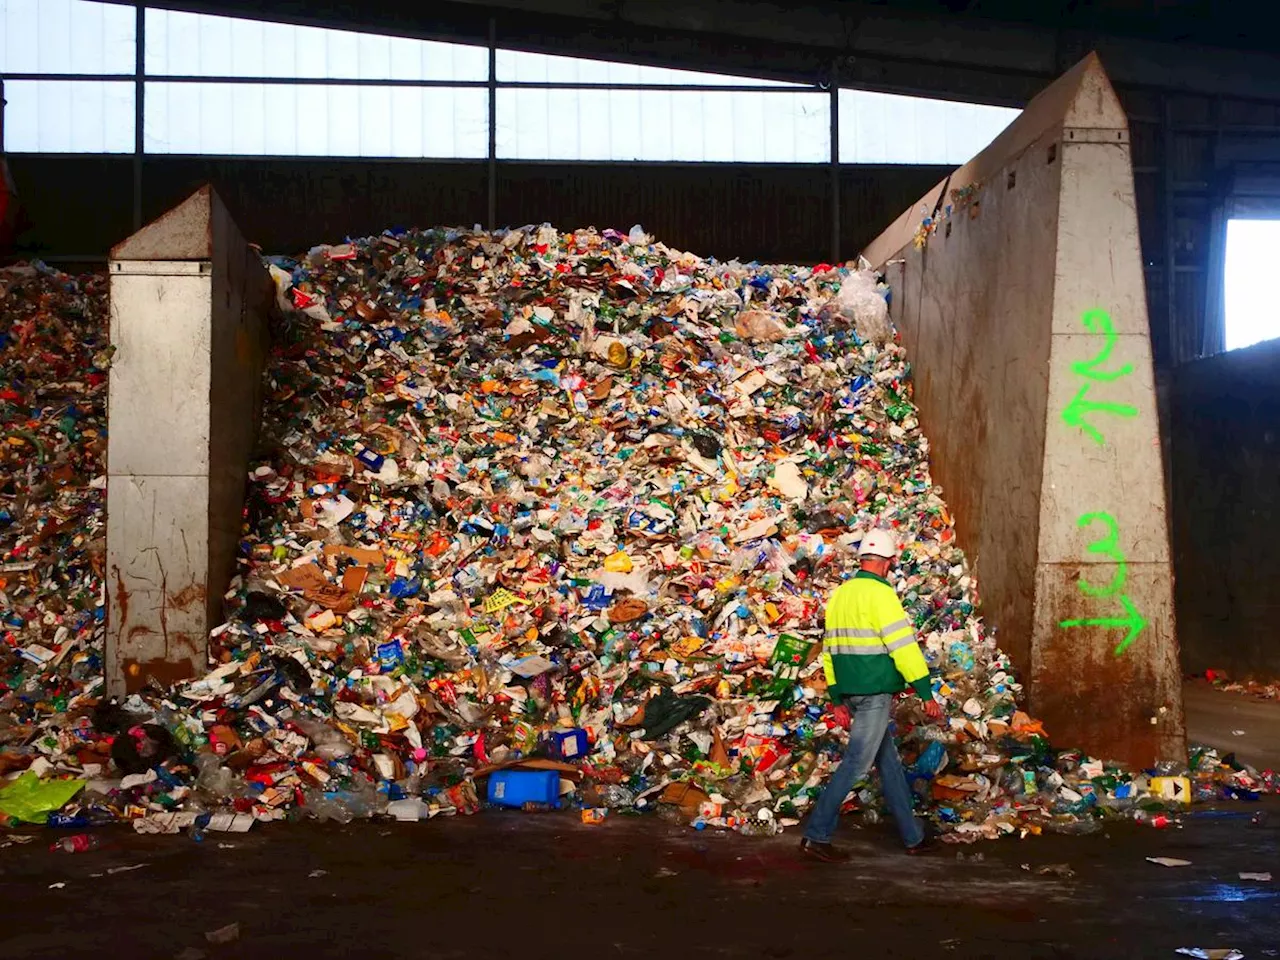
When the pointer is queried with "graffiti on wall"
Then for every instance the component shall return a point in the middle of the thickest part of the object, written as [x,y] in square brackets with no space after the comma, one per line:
[1085,414]
[1108,545]
[1078,410]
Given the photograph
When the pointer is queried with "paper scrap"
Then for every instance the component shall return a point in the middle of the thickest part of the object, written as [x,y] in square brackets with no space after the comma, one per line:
[761,528]
[231,822]
[228,934]
[530,666]
[1169,861]
[138,779]
[787,481]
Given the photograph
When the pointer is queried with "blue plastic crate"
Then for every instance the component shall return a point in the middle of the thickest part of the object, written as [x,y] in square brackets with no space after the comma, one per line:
[515,788]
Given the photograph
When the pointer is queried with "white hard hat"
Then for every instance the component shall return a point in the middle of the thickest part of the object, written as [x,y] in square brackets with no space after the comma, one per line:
[878,543]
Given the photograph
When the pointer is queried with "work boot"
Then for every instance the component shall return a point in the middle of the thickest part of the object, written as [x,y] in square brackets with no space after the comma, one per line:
[823,851]
[929,843]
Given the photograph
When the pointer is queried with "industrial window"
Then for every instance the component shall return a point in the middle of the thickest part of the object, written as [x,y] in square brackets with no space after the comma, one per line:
[672,125]
[517,67]
[190,44]
[68,116]
[1252,305]
[225,85]
[316,120]
[66,36]
[886,128]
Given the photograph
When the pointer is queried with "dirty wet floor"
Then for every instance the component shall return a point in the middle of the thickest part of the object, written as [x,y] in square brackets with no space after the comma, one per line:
[531,885]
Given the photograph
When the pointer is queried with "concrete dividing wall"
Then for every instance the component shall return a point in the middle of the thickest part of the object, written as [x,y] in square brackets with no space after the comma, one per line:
[189,304]
[1025,318]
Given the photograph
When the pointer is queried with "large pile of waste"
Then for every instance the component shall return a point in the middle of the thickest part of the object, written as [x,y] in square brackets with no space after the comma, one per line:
[569,503]
[53,370]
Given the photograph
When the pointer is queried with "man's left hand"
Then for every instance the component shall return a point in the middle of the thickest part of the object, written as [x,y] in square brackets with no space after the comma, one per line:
[933,710]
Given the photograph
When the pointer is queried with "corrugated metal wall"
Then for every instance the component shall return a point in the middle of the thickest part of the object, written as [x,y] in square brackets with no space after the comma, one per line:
[1226,510]
[81,205]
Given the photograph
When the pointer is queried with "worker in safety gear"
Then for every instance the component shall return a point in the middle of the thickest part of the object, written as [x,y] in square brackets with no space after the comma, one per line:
[869,654]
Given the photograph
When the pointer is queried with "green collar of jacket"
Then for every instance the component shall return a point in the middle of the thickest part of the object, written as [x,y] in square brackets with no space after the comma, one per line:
[868,575]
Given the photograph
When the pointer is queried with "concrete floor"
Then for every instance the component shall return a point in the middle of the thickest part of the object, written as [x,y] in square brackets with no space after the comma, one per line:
[544,885]
[1234,722]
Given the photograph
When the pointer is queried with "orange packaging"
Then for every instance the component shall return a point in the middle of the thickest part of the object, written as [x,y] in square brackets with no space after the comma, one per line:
[353,579]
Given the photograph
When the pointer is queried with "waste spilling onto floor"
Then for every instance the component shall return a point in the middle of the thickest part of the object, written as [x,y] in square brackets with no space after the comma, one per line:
[1261,689]
[540,520]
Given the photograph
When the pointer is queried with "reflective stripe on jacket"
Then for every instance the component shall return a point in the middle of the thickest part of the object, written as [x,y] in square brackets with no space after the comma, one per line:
[869,645]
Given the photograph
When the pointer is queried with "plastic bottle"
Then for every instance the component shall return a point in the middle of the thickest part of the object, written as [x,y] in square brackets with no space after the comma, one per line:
[79,843]
[615,796]
[198,827]
[759,828]
[1153,818]
[670,813]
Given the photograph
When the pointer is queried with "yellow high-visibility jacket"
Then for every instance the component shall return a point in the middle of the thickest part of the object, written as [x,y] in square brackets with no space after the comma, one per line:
[869,645]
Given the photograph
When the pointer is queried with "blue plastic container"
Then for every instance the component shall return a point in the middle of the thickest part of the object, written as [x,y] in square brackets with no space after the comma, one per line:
[515,788]
[569,744]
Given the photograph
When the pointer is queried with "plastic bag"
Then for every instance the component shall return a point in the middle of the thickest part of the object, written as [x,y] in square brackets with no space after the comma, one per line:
[32,800]
[862,304]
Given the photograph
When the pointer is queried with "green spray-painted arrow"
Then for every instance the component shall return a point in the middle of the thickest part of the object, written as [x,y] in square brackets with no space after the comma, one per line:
[1074,413]
[1135,621]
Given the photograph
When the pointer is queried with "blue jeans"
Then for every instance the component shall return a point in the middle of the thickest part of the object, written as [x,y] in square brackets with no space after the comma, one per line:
[869,740]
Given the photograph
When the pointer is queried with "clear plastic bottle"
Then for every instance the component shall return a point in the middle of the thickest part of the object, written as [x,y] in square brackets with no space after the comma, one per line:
[614,796]
[670,813]
[759,828]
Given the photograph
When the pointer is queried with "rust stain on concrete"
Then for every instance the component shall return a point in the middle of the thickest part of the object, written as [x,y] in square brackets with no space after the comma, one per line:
[1085,694]
[164,607]
[122,599]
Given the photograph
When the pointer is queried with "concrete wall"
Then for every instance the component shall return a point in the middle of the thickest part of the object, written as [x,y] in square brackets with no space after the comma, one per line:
[242,300]
[1025,318]
[1226,516]
[157,470]
[189,303]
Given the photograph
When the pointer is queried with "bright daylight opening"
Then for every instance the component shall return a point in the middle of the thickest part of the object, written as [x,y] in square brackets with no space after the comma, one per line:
[1252,304]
